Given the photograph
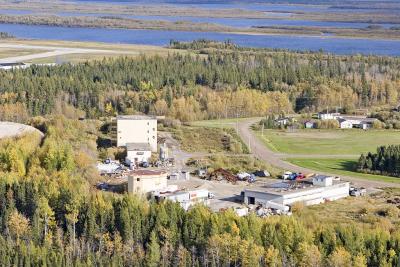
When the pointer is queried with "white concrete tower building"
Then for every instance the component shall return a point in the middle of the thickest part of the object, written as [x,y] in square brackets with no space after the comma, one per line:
[137,129]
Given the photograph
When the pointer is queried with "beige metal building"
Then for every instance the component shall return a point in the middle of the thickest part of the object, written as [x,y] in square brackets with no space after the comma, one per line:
[145,181]
[137,129]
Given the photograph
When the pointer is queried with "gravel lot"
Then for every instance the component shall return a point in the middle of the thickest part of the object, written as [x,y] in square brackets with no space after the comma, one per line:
[225,193]
[11,129]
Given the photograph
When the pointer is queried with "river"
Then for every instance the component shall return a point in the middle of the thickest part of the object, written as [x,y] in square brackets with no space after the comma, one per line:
[162,38]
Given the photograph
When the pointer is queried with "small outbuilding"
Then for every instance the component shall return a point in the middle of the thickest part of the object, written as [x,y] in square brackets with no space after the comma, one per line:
[137,153]
[345,124]
[309,125]
[281,122]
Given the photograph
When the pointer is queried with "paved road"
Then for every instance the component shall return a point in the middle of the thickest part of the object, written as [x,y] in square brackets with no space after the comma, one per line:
[51,51]
[261,151]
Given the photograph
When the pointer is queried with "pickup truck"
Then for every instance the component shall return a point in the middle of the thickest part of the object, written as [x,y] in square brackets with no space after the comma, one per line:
[286,175]
[358,192]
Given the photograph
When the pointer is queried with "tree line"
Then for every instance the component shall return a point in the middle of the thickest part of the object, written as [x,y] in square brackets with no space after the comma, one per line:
[385,161]
[6,35]
[222,83]
[50,215]
[389,117]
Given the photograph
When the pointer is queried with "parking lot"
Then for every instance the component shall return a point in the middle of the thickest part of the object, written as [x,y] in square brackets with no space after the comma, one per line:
[227,195]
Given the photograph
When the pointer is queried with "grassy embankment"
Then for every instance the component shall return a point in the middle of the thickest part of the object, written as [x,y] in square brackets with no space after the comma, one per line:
[333,151]
[233,160]
[115,9]
[11,52]
[128,23]
[367,212]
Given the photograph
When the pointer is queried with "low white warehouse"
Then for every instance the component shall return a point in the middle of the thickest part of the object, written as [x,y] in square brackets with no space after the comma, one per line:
[281,195]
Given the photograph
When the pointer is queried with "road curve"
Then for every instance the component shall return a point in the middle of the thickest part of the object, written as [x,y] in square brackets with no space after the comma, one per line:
[261,151]
[51,51]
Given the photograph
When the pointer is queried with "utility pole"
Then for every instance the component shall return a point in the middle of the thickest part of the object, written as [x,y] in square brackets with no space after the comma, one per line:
[249,145]
[237,122]
[262,129]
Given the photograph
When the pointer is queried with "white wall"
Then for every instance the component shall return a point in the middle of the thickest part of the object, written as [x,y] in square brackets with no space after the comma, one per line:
[311,196]
[138,156]
[346,125]
[318,195]
[137,131]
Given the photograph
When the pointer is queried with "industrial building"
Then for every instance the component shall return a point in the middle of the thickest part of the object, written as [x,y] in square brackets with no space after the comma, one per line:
[137,129]
[186,199]
[313,191]
[137,153]
[13,65]
[146,181]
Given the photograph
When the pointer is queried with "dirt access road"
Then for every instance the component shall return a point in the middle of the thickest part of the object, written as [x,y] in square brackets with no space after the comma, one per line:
[50,51]
[261,151]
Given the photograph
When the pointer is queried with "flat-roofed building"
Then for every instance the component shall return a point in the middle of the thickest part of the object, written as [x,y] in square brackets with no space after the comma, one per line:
[13,65]
[146,181]
[319,189]
[186,199]
[137,129]
[137,152]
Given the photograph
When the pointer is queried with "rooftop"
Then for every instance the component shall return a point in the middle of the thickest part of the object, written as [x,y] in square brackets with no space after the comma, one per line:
[289,187]
[358,118]
[12,64]
[148,172]
[138,147]
[136,117]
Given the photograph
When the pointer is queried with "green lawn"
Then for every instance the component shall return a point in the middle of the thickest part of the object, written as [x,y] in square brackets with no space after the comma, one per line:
[328,142]
[340,167]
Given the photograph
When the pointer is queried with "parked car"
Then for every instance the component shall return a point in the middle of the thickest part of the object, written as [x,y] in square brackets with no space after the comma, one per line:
[145,164]
[286,175]
[252,178]
[293,176]
[300,176]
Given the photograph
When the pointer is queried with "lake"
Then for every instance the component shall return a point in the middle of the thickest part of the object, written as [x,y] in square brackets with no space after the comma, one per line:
[162,38]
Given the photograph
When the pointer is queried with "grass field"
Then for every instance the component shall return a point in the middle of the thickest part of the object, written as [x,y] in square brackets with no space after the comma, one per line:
[222,123]
[11,52]
[331,151]
[340,167]
[329,142]
[209,140]
[369,211]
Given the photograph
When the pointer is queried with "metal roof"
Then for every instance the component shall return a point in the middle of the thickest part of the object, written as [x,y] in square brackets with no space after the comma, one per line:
[138,147]
[147,172]
[136,117]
